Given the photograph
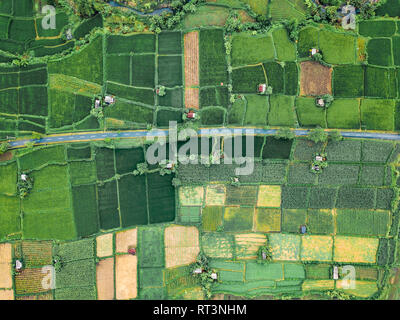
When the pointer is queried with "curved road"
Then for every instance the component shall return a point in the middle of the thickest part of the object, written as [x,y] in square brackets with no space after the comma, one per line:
[93,136]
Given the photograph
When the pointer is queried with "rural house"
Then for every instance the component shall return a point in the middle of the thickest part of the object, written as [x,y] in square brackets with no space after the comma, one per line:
[191,115]
[262,88]
[109,100]
[321,102]
[198,271]
[97,103]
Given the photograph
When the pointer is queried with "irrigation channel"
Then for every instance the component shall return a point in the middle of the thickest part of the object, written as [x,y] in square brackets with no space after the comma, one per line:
[93,136]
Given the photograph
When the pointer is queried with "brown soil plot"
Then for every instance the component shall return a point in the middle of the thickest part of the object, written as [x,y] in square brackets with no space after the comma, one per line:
[315,79]
[192,98]
[191,40]
[125,240]
[104,245]
[5,265]
[126,277]
[105,279]
[30,281]
[181,245]
[6,295]
[6,156]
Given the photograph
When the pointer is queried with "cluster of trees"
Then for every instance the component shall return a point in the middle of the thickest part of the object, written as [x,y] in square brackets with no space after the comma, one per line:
[164,169]
[204,278]
[22,61]
[320,135]
[264,254]
[317,164]
[338,295]
[97,113]
[316,135]
[81,8]
[320,59]
[292,27]
[166,20]
[4,146]
[327,101]
[327,10]
[24,187]
[234,24]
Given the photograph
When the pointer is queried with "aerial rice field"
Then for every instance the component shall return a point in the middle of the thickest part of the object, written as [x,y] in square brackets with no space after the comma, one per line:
[115,227]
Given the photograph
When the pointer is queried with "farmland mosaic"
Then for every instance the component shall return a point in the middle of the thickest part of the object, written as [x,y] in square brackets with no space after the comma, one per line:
[88,89]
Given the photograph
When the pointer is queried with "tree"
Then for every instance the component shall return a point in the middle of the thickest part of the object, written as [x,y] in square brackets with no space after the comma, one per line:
[30,144]
[161,91]
[203,278]
[292,28]
[36,136]
[327,98]
[84,8]
[58,263]
[319,58]
[97,113]
[331,14]
[107,141]
[228,45]
[24,187]
[335,135]
[284,133]
[4,146]
[318,135]
[337,295]
[142,168]
[233,23]
[22,61]
[264,254]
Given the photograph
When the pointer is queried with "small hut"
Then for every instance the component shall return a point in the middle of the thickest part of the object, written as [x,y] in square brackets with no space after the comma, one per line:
[321,102]
[262,88]
[18,265]
[198,271]
[316,167]
[314,51]
[68,34]
[264,255]
[109,100]
[97,103]
[191,115]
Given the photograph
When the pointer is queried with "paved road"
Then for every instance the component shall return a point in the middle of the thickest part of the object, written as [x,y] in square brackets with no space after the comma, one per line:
[93,136]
